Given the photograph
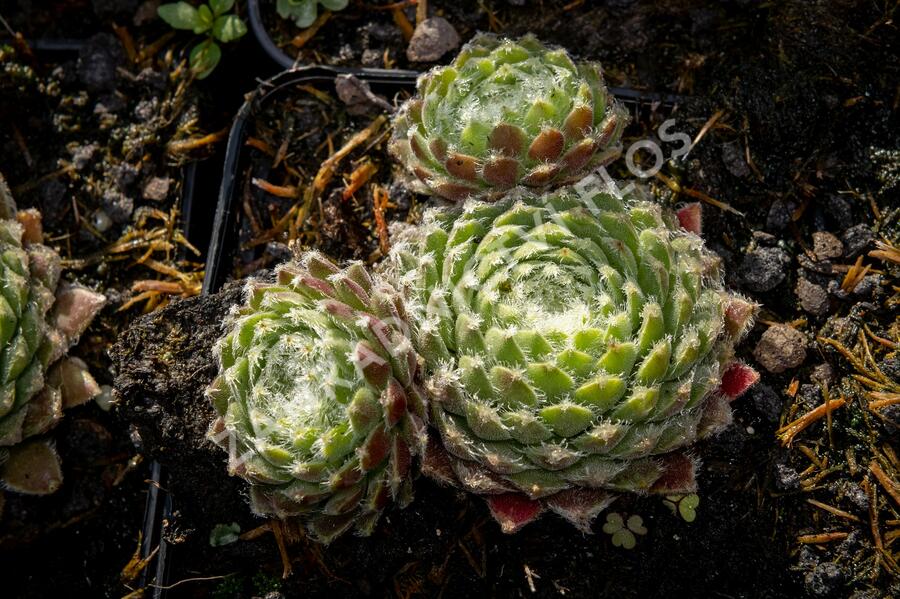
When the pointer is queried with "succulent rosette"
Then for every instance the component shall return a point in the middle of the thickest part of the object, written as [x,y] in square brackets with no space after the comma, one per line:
[39,321]
[575,345]
[506,113]
[319,398]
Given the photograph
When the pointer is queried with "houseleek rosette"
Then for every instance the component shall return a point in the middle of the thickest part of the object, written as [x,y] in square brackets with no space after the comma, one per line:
[319,398]
[39,321]
[575,345]
[507,113]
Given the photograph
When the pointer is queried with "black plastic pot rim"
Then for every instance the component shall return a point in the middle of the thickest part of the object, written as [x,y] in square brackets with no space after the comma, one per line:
[216,265]
[285,61]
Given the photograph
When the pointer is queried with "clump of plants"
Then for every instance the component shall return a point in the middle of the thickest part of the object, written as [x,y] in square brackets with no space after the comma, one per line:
[40,319]
[558,348]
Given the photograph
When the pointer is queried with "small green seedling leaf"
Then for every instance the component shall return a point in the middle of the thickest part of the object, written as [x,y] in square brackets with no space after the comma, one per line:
[220,7]
[179,15]
[687,507]
[228,28]
[204,20]
[204,58]
[224,534]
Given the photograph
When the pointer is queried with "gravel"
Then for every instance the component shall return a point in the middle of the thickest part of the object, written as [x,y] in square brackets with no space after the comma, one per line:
[781,347]
[764,268]
[432,38]
[826,245]
[813,298]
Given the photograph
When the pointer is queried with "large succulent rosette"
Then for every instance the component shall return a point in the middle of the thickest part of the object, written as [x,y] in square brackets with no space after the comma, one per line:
[506,113]
[319,397]
[576,345]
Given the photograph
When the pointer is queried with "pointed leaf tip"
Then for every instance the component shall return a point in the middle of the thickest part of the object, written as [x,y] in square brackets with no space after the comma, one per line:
[690,217]
[513,511]
[738,377]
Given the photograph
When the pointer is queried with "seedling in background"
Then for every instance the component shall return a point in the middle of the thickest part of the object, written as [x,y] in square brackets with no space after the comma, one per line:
[210,21]
[683,505]
[622,532]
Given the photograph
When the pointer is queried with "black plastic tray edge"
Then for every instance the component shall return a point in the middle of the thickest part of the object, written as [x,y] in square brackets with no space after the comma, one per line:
[216,266]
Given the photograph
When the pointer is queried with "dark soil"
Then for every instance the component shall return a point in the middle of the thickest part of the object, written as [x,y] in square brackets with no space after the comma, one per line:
[445,542]
[807,142]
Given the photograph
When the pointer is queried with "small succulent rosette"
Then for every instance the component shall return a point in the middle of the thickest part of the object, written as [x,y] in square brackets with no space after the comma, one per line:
[576,345]
[319,397]
[506,113]
[40,319]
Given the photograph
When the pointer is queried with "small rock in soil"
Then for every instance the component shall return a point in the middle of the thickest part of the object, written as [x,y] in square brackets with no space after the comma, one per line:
[786,478]
[82,155]
[145,109]
[358,96]
[825,579]
[152,80]
[118,206]
[97,62]
[781,347]
[766,402]
[779,215]
[856,239]
[838,209]
[432,38]
[854,493]
[826,245]
[813,298]
[157,189]
[823,373]
[732,157]
[810,396]
[764,268]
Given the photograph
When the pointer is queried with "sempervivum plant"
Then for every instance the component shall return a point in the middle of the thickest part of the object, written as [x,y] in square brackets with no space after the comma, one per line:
[304,12]
[39,321]
[575,345]
[319,398]
[507,113]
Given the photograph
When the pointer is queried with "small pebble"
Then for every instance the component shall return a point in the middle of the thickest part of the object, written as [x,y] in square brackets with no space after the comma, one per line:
[432,38]
[823,373]
[766,402]
[813,298]
[824,580]
[764,268]
[786,478]
[157,188]
[826,245]
[781,347]
[856,239]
